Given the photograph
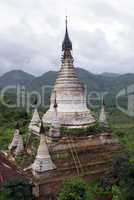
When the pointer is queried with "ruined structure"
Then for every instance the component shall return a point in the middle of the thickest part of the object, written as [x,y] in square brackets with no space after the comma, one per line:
[85,155]
[71,97]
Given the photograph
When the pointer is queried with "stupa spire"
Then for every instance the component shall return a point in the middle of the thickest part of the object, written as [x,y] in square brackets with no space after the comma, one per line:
[17,126]
[66,44]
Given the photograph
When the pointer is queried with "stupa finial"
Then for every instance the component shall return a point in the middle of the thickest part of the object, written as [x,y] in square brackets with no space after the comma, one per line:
[103,102]
[17,126]
[35,102]
[67,44]
[42,129]
[66,21]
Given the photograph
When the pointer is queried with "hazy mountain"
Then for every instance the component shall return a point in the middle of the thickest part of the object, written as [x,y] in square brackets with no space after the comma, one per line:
[109,74]
[15,77]
[47,79]
[102,83]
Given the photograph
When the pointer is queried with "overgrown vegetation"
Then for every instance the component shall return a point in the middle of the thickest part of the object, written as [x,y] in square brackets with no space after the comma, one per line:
[91,130]
[116,185]
[75,189]
[16,189]
[9,117]
[78,189]
[119,185]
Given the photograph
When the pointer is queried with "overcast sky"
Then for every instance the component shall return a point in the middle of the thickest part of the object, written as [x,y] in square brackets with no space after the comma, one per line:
[102,33]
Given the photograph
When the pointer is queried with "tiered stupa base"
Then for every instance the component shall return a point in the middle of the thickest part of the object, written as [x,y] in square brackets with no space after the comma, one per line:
[71,119]
[95,154]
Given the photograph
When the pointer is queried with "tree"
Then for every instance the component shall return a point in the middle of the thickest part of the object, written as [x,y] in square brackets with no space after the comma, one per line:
[117,193]
[124,168]
[122,174]
[16,189]
[75,189]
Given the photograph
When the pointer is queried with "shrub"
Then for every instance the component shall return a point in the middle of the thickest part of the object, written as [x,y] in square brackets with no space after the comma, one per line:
[90,130]
[75,189]
[117,193]
[16,189]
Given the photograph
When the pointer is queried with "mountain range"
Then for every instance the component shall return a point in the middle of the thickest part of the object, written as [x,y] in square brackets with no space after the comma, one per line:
[105,82]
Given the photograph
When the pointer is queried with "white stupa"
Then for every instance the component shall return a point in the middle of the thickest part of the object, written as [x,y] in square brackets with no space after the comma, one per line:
[16,145]
[34,126]
[43,161]
[20,146]
[15,139]
[71,98]
[54,132]
[103,117]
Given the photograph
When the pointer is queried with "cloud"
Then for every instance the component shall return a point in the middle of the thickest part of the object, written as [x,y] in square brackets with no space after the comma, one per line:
[31,34]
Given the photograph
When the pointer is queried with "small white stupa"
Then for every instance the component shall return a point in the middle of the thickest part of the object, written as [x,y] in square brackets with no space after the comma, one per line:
[55,129]
[13,145]
[20,147]
[16,145]
[34,126]
[103,117]
[43,161]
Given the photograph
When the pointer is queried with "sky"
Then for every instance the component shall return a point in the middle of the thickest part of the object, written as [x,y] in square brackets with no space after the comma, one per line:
[32,31]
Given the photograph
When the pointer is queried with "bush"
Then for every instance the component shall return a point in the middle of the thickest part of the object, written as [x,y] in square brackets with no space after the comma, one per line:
[75,189]
[90,130]
[16,189]
[117,193]
[100,192]
[122,175]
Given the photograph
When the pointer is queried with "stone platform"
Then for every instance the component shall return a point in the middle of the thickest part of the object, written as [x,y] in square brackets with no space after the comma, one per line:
[93,157]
